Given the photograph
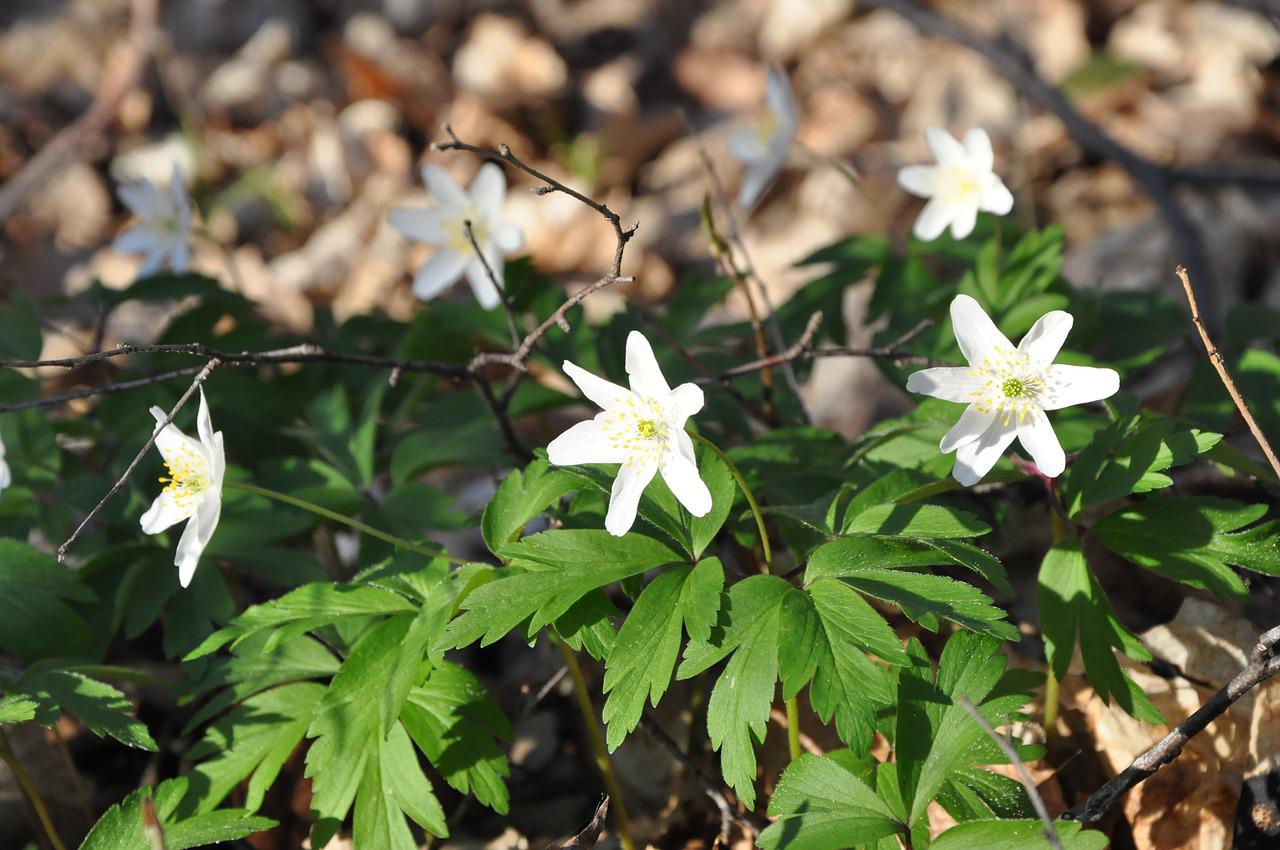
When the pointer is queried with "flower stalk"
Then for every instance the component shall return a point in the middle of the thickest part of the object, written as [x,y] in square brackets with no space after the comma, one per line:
[30,792]
[746,491]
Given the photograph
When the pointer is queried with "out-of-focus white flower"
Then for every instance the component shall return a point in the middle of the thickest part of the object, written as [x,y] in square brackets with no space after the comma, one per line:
[764,147]
[193,490]
[642,429]
[163,230]
[444,226]
[1008,390]
[960,186]
[6,477]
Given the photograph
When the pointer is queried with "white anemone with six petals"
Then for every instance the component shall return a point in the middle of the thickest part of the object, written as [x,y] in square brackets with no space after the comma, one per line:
[194,488]
[763,148]
[960,186]
[444,226]
[163,229]
[641,428]
[1008,390]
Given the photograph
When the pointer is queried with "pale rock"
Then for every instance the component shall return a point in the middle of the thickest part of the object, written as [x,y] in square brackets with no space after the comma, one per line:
[74,204]
[499,58]
[791,25]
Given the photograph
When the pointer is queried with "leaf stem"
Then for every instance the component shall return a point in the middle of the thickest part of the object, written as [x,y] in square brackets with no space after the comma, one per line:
[342,518]
[746,491]
[596,738]
[29,790]
[793,728]
[1051,683]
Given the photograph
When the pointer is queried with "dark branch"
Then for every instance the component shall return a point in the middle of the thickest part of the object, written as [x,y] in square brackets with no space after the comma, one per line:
[1262,666]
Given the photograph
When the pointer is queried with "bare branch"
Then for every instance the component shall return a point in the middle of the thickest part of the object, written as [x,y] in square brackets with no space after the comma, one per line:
[105,389]
[513,321]
[1262,665]
[550,184]
[133,464]
[1215,357]
[1011,753]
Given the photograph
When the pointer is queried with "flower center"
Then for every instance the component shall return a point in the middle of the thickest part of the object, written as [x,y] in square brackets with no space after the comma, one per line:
[639,427]
[958,186]
[765,127]
[457,228]
[1011,387]
[188,478]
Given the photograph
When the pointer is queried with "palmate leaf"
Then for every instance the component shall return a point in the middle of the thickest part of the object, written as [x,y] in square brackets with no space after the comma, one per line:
[640,667]
[819,805]
[522,495]
[101,707]
[1191,540]
[549,572]
[120,828]
[1071,602]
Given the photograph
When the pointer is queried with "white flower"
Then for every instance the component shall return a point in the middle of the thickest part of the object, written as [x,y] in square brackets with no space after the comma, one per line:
[194,488]
[6,477]
[764,147]
[1008,391]
[960,186]
[164,228]
[444,226]
[642,429]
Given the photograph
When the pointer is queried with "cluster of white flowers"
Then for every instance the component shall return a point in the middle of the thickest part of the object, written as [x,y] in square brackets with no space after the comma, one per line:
[1008,389]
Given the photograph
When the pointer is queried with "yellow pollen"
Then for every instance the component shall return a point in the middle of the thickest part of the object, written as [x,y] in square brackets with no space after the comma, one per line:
[647,429]
[188,477]
[1013,388]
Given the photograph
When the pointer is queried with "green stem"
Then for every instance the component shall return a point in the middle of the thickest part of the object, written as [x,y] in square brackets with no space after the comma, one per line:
[1051,683]
[29,790]
[596,739]
[345,520]
[793,728]
[746,491]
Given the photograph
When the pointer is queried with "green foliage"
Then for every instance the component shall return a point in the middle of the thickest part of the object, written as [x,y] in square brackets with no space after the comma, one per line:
[121,827]
[819,805]
[52,688]
[1017,835]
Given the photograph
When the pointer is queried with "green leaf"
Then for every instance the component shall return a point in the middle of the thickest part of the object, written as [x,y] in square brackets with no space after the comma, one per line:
[35,620]
[120,827]
[521,497]
[719,481]
[256,737]
[20,337]
[454,721]
[819,805]
[99,706]
[913,520]
[923,596]
[700,598]
[550,571]
[16,708]
[1071,602]
[1190,540]
[394,785]
[1017,835]
[846,556]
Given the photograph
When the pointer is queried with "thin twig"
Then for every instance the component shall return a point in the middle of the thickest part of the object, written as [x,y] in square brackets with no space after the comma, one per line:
[513,321]
[115,488]
[1262,665]
[801,351]
[1006,747]
[1015,65]
[122,68]
[550,184]
[105,389]
[1215,357]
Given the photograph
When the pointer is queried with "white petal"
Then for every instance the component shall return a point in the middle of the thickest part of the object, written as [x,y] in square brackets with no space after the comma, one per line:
[204,424]
[755,180]
[163,513]
[138,199]
[438,273]
[178,192]
[508,237]
[933,219]
[179,257]
[685,400]
[6,476]
[997,199]
[153,262]
[642,368]
[971,425]
[963,220]
[1068,385]
[946,150]
[977,144]
[684,445]
[423,224]
[624,498]
[1037,437]
[585,442]
[949,383]
[1043,342]
[686,484]
[603,393]
[488,190]
[176,447]
[746,145]
[487,294]
[134,241]
[219,457]
[974,459]
[441,187]
[978,336]
[779,97]
[919,180]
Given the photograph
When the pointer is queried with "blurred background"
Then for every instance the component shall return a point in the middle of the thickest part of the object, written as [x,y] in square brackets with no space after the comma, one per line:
[299,125]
